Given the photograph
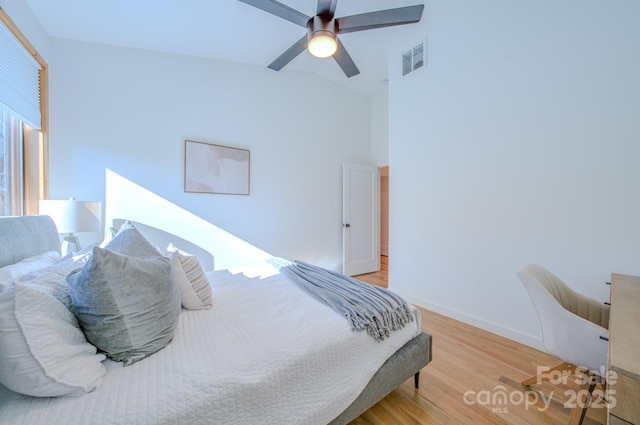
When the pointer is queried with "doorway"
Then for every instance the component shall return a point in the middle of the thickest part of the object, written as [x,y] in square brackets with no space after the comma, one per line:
[381,277]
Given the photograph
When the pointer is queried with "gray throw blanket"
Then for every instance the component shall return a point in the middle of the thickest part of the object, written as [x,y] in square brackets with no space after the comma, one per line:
[366,307]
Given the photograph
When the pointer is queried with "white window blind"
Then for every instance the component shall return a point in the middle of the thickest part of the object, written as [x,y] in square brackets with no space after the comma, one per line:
[19,79]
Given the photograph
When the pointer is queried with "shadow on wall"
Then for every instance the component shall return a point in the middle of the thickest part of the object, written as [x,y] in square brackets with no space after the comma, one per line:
[128,200]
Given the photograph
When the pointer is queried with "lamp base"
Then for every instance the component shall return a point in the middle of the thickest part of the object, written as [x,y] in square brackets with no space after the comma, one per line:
[70,244]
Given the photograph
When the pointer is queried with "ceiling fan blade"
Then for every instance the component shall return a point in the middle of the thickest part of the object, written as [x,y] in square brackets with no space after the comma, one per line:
[291,53]
[379,19]
[280,10]
[327,7]
[345,62]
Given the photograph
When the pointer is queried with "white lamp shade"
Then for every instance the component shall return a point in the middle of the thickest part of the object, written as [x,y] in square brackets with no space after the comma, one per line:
[72,216]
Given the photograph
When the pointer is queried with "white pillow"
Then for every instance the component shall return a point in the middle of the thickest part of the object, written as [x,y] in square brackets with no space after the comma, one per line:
[195,289]
[14,271]
[43,352]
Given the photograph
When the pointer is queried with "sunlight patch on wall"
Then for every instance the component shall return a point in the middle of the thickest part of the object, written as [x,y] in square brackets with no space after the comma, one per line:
[128,200]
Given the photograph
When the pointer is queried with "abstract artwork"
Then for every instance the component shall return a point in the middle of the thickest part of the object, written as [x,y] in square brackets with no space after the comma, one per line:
[210,168]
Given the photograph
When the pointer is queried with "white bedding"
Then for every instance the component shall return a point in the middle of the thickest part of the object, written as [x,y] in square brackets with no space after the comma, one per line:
[266,353]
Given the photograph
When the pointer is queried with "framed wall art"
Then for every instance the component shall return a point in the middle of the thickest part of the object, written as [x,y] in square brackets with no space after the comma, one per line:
[210,168]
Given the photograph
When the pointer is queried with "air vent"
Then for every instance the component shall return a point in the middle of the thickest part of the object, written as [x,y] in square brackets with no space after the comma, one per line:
[414,58]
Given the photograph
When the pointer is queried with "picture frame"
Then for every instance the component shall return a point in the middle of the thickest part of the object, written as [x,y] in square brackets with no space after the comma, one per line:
[217,169]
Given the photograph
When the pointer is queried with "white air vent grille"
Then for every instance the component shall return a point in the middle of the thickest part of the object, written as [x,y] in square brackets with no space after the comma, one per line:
[414,58]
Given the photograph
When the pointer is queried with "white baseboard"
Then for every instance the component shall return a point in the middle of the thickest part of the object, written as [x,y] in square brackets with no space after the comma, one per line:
[525,339]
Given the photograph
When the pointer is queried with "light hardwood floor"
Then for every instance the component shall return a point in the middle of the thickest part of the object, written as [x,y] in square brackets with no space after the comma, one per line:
[470,367]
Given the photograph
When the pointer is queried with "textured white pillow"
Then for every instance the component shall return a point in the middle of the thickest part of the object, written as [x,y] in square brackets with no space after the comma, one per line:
[43,352]
[195,290]
[52,279]
[14,271]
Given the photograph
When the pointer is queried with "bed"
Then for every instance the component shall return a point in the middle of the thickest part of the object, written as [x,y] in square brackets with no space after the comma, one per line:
[265,352]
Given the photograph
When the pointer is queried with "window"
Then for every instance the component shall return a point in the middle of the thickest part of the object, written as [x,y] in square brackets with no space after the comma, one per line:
[11,164]
[23,123]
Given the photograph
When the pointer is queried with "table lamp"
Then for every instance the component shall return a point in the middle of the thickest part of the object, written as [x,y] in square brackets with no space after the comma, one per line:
[71,216]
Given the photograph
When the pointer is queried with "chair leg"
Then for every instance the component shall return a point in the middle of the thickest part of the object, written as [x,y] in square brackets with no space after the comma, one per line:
[579,411]
[416,379]
[537,379]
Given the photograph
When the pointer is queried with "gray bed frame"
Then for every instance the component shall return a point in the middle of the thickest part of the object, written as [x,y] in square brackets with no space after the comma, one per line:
[26,236]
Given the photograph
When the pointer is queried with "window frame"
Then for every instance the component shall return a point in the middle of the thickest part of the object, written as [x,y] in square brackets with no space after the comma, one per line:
[36,142]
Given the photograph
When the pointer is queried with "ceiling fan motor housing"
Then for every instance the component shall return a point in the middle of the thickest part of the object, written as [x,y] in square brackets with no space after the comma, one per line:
[322,25]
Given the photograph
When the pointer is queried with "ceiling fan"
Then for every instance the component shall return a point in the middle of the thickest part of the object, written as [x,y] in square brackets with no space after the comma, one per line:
[322,29]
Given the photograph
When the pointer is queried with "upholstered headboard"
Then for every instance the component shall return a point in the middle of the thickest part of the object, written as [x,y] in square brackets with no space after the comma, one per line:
[26,236]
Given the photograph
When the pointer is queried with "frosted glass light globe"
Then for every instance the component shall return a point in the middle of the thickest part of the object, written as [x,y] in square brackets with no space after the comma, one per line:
[322,45]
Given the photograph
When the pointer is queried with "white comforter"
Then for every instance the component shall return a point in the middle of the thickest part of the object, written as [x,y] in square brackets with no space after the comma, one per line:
[266,353]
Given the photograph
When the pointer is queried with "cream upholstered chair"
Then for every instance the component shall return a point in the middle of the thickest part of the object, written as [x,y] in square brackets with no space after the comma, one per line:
[574,327]
[572,324]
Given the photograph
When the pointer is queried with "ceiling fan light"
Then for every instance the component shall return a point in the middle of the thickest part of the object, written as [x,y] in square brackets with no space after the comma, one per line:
[322,44]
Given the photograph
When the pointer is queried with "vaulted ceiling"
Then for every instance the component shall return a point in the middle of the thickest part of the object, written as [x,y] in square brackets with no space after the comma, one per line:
[228,30]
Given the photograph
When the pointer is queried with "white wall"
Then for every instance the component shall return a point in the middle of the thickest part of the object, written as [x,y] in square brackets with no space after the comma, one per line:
[184,229]
[380,129]
[130,111]
[520,142]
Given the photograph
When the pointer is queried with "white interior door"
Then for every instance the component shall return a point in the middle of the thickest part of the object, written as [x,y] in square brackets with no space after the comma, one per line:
[360,219]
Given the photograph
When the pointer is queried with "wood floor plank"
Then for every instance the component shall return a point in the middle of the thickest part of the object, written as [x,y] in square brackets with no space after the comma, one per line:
[470,367]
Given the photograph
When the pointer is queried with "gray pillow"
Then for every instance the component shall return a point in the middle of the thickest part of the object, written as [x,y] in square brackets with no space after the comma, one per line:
[127,307]
[131,242]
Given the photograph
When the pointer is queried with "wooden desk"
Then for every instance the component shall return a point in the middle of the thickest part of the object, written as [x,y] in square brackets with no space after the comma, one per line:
[624,349]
